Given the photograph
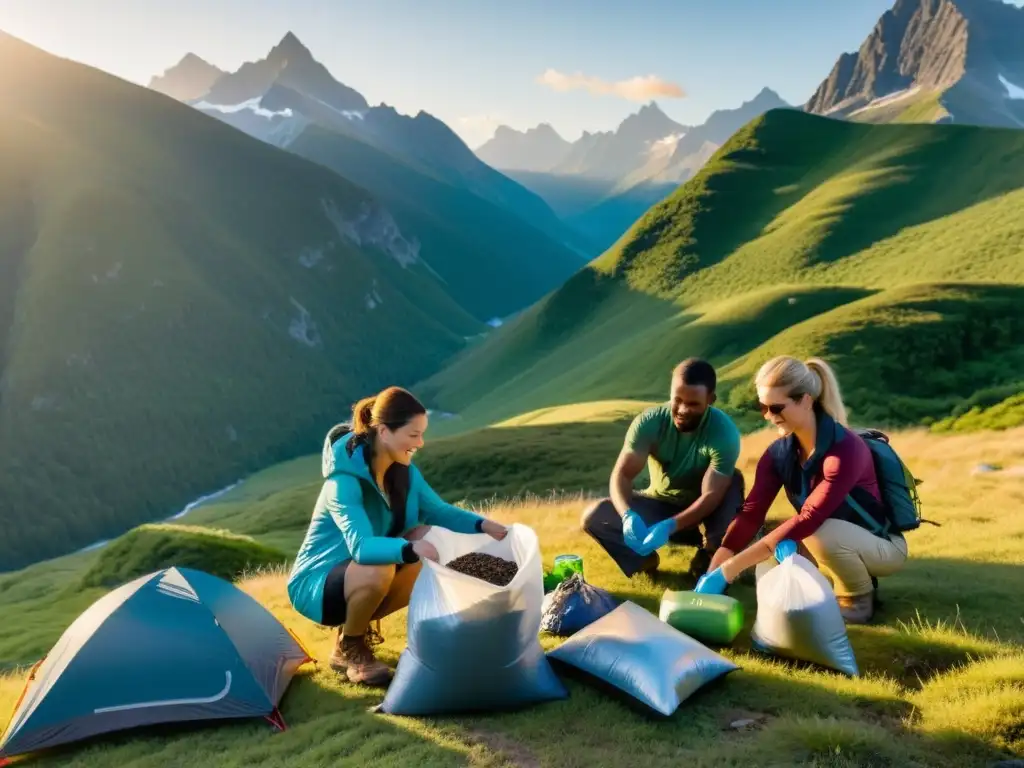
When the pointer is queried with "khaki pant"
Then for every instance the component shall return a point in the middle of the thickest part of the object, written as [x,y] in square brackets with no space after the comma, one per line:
[848,555]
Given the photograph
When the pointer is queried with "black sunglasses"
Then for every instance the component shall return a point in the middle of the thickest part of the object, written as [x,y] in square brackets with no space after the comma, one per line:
[777,408]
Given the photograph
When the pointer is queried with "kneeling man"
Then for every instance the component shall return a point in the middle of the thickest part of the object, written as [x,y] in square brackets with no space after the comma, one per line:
[695,490]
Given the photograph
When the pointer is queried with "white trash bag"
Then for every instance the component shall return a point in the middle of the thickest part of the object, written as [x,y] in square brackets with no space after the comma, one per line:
[473,646]
[798,616]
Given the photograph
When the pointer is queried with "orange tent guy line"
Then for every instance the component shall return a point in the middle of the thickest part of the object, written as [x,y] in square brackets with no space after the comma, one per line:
[302,645]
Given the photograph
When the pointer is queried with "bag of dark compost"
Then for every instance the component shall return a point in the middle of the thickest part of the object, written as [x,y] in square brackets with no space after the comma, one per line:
[573,605]
[473,625]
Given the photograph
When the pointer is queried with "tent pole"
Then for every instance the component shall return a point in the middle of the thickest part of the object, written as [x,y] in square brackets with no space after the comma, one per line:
[28,682]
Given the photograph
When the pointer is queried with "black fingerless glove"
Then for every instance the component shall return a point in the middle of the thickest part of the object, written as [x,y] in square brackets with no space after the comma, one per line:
[408,555]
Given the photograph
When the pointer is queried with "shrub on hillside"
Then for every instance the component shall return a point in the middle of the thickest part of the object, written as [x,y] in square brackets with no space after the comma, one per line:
[153,547]
[1005,415]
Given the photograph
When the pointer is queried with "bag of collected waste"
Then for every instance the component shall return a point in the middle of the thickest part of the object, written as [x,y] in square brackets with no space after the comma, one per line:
[473,644]
[633,651]
[798,616]
[573,605]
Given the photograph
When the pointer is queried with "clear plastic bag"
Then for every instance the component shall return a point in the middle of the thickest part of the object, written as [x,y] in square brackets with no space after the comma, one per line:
[798,616]
[473,646]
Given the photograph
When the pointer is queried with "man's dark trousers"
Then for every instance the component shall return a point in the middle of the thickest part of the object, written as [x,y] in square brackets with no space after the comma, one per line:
[602,522]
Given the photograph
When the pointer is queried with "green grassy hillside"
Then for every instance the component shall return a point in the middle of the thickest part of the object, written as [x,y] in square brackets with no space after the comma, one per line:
[942,671]
[1007,414]
[895,250]
[180,304]
[492,262]
[152,547]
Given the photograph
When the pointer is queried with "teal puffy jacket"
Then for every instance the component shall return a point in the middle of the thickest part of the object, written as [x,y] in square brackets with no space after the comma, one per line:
[351,518]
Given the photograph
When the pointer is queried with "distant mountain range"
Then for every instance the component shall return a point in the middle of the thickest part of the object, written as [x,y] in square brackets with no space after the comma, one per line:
[277,98]
[181,304]
[893,251]
[956,61]
[604,181]
[189,79]
[538,149]
[193,282]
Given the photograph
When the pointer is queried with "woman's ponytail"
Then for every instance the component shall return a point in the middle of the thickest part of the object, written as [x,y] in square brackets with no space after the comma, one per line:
[362,415]
[812,377]
[829,396]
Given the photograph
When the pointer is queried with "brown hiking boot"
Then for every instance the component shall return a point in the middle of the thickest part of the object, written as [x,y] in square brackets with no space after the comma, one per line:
[354,658]
[857,610]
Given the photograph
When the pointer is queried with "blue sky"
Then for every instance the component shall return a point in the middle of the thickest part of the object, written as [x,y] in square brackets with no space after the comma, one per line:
[476,63]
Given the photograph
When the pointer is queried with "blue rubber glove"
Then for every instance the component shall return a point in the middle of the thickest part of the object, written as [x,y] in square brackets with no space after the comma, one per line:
[713,583]
[657,537]
[633,531]
[785,548]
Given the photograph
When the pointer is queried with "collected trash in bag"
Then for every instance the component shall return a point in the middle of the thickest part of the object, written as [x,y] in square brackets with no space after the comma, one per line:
[574,605]
[708,618]
[473,645]
[798,616]
[491,568]
[632,650]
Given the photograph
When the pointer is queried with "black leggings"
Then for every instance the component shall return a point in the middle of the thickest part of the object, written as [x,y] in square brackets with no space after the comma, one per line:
[334,607]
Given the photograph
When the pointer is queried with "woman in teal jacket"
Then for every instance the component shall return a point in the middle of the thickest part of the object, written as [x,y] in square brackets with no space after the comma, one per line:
[364,545]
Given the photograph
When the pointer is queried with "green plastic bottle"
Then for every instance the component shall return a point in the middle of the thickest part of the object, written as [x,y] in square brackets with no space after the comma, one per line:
[709,618]
[567,565]
[551,581]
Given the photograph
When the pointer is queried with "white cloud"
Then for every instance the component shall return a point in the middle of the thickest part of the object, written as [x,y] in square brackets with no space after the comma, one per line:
[639,88]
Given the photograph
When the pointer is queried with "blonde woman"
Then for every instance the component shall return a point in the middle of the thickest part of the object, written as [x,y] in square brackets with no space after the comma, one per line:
[819,462]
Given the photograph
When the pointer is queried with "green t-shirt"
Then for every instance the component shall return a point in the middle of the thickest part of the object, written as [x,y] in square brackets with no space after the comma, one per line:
[678,460]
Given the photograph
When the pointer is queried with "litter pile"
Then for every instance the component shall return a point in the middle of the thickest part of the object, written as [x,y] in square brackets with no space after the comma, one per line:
[573,605]
[489,568]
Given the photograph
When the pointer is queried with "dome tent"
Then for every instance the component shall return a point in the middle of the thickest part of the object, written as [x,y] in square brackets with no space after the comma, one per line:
[173,646]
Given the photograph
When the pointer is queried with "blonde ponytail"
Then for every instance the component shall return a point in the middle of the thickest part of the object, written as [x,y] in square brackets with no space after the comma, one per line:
[829,395]
[813,377]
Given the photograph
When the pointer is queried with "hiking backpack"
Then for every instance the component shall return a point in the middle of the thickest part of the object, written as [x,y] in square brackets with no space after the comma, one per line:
[897,485]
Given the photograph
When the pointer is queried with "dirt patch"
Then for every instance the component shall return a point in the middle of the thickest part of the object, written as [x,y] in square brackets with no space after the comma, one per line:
[888,713]
[515,753]
[915,670]
[1013,734]
[495,570]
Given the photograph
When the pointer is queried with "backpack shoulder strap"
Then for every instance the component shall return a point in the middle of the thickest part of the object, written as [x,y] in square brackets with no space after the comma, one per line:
[863,514]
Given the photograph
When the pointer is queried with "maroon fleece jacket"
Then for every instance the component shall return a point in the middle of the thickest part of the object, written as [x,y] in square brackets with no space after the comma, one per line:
[847,464]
